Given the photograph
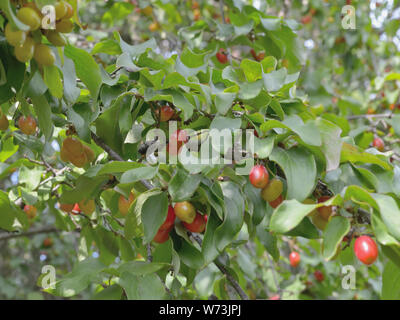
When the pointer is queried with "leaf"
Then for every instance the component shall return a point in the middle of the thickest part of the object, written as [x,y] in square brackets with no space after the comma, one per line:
[390,213]
[6,6]
[252,69]
[153,214]
[257,207]
[223,102]
[304,229]
[7,149]
[333,235]
[43,112]
[274,80]
[139,174]
[354,154]
[269,241]
[53,81]
[148,287]
[291,212]
[391,282]
[183,185]
[86,69]
[140,268]
[300,171]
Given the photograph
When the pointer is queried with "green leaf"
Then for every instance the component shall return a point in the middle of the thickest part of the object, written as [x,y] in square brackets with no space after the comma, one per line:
[333,235]
[43,112]
[139,174]
[257,207]
[390,213]
[148,287]
[153,215]
[391,282]
[252,70]
[183,185]
[86,69]
[300,171]
[53,81]
[7,149]
[141,268]
[223,101]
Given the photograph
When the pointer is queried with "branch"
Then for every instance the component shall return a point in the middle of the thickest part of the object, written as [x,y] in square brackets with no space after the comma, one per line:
[369,116]
[4,237]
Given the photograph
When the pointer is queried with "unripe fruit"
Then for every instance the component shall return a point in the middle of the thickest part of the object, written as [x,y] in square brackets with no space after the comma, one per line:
[76,210]
[319,276]
[325,211]
[25,52]
[198,225]
[161,236]
[33,6]
[185,211]
[366,250]
[221,56]
[294,259]
[66,207]
[379,144]
[61,10]
[147,11]
[259,176]
[274,204]
[64,26]
[3,122]
[170,220]
[196,14]
[154,26]
[165,113]
[70,11]
[48,242]
[30,211]
[90,156]
[44,55]
[87,206]
[273,190]
[27,125]
[29,17]
[73,147]
[310,201]
[124,203]
[14,37]
[56,38]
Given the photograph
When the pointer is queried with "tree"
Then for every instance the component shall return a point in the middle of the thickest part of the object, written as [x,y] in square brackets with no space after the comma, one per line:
[90,107]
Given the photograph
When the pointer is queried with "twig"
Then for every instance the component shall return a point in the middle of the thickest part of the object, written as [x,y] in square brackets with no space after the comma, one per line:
[4,237]
[369,116]
[149,256]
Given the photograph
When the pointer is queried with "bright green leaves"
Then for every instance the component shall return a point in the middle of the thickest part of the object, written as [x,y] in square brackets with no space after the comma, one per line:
[390,213]
[43,112]
[53,81]
[137,174]
[252,70]
[300,171]
[333,235]
[86,69]
[11,218]
[154,213]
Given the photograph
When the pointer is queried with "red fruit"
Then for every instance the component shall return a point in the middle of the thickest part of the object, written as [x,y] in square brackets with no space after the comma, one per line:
[30,211]
[306,19]
[166,113]
[177,139]
[48,242]
[221,56]
[198,225]
[275,297]
[319,275]
[366,250]
[325,211]
[294,259]
[253,53]
[76,210]
[274,204]
[259,176]
[170,220]
[379,144]
[162,236]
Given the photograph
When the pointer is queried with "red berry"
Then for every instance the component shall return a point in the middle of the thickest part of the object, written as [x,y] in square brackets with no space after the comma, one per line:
[319,275]
[162,236]
[294,259]
[366,250]
[170,220]
[166,113]
[259,176]
[379,144]
[198,225]
[221,56]
[275,297]
[274,204]
[76,210]
[177,139]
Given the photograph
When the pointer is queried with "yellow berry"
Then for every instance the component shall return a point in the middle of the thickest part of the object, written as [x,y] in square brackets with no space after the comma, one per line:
[56,38]
[25,52]
[44,55]
[65,26]
[29,17]
[273,190]
[15,38]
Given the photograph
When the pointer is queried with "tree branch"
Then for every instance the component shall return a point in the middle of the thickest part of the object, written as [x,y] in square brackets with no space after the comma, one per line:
[4,237]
